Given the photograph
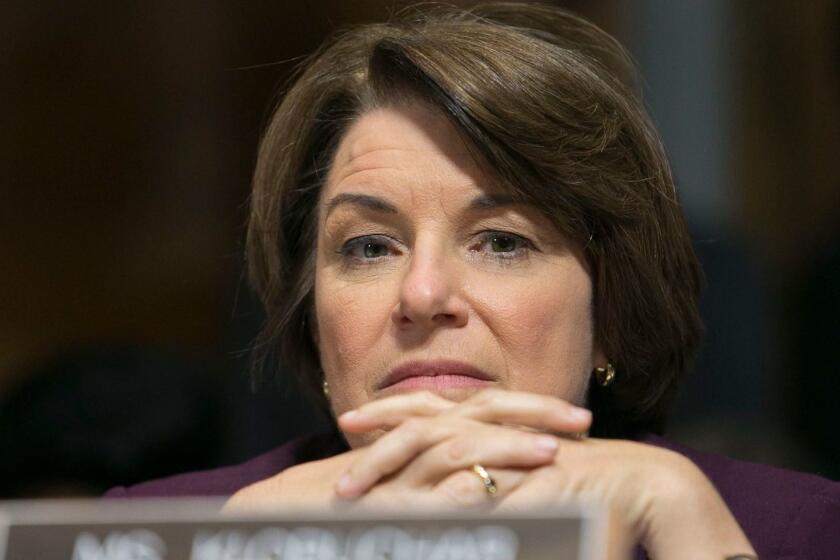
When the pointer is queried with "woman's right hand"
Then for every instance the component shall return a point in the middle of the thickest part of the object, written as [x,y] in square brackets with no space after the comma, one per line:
[308,485]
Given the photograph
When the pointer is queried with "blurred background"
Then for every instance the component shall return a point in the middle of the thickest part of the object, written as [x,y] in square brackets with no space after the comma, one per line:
[128,133]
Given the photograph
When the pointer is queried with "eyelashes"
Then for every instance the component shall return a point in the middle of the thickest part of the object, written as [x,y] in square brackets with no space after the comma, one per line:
[504,245]
[370,248]
[501,246]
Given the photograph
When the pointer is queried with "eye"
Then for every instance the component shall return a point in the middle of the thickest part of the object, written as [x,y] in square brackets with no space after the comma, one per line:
[503,245]
[369,248]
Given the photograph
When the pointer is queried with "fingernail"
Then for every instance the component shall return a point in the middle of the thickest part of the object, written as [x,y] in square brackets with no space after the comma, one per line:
[347,486]
[546,444]
[580,414]
[354,416]
[349,415]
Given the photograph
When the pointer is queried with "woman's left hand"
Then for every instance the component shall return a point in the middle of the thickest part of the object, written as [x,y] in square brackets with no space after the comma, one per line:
[672,509]
[671,506]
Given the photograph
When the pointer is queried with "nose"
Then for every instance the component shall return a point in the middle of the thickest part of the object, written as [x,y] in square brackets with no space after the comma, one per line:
[430,293]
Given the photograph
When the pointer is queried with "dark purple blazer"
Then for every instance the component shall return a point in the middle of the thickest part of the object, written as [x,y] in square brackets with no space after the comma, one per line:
[785,514]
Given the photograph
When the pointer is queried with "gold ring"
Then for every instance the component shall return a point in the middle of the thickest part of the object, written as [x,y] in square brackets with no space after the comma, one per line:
[486,479]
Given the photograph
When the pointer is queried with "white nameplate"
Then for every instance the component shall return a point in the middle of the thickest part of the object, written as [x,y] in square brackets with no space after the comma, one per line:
[178,529]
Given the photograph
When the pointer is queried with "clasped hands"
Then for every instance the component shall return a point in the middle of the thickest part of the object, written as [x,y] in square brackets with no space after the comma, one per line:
[425,449]
[428,445]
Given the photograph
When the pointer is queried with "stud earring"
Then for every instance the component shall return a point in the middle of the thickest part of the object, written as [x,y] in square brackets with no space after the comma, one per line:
[326,388]
[605,376]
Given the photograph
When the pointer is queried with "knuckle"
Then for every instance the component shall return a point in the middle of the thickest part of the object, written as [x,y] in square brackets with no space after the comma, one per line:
[429,401]
[463,490]
[459,448]
[485,397]
[412,428]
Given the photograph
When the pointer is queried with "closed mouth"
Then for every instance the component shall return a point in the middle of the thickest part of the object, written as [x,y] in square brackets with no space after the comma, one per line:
[446,372]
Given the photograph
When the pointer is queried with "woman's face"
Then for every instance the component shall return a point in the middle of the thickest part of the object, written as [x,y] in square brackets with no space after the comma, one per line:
[428,277]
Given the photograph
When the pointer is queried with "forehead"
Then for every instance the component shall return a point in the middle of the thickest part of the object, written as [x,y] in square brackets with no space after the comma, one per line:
[413,126]
[407,136]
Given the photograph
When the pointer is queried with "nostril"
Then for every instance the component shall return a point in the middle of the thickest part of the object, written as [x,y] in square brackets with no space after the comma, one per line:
[450,319]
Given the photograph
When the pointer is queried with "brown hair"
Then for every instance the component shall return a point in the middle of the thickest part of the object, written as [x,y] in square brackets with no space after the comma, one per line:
[541,97]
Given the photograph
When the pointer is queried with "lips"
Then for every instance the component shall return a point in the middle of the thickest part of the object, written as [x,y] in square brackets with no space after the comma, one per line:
[422,373]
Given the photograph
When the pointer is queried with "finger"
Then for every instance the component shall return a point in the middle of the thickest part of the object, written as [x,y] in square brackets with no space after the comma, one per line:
[392,411]
[532,410]
[489,446]
[393,451]
[540,487]
[541,412]
[463,489]
[390,453]
[466,489]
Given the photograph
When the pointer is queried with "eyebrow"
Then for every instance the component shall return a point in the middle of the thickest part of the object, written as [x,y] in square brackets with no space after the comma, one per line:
[491,202]
[481,202]
[363,200]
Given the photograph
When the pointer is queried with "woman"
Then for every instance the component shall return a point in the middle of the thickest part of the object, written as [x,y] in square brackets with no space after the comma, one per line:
[467,238]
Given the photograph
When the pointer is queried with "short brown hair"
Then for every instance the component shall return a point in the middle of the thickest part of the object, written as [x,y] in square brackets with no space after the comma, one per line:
[542,97]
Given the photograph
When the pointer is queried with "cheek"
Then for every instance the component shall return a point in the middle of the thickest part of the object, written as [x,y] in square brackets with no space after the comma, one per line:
[546,324]
[352,320]
[544,329]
